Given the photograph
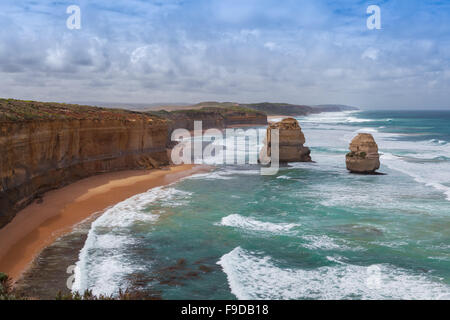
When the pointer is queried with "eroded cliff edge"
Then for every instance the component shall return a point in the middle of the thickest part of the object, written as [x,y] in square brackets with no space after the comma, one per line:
[48,146]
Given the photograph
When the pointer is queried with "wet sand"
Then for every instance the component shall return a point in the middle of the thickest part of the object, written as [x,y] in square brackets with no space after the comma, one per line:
[40,224]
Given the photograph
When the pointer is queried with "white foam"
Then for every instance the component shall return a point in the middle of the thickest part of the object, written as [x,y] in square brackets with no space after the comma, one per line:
[252,277]
[354,119]
[324,242]
[238,221]
[103,260]
[425,161]
[226,173]
[438,142]
[367,130]
[215,175]
[435,175]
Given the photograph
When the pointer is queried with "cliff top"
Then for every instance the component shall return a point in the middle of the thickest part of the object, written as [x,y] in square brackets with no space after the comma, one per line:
[12,110]
[269,108]
[209,110]
[223,110]
[364,142]
[285,124]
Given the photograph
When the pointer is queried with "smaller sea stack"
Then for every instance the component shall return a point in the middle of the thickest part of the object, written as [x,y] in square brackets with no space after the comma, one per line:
[363,156]
[291,141]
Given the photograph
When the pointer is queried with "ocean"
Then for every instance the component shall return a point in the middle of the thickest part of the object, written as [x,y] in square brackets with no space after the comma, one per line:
[312,231]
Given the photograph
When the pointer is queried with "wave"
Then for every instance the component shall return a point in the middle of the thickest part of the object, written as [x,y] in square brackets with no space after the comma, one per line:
[252,277]
[334,118]
[223,174]
[366,130]
[434,174]
[344,117]
[426,161]
[324,243]
[103,261]
[284,177]
[438,142]
[238,221]
[357,120]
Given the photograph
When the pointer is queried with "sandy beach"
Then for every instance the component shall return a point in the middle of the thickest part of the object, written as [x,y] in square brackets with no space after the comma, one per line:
[38,225]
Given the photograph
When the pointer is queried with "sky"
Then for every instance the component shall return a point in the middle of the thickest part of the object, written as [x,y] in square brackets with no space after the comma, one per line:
[166,51]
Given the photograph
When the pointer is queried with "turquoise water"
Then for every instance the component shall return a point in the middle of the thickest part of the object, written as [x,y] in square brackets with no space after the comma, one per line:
[313,231]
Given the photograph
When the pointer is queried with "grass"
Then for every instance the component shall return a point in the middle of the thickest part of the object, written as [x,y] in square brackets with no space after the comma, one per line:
[281,108]
[219,110]
[361,155]
[12,110]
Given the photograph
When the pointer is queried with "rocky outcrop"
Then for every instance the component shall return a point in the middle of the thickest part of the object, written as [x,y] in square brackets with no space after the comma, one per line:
[291,143]
[40,155]
[363,156]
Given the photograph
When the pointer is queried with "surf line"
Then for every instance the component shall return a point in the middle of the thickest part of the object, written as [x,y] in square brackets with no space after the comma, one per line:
[193,310]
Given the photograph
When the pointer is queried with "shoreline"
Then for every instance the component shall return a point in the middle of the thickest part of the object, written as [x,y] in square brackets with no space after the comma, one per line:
[47,275]
[38,225]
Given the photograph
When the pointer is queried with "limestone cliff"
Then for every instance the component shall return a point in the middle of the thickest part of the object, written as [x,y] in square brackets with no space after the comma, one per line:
[212,117]
[291,143]
[363,156]
[48,146]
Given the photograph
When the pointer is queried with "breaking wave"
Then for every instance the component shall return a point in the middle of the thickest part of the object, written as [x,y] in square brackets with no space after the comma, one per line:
[238,221]
[251,276]
[103,261]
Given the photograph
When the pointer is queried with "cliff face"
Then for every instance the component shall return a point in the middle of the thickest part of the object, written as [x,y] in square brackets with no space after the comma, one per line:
[37,156]
[213,117]
[48,145]
[363,156]
[291,141]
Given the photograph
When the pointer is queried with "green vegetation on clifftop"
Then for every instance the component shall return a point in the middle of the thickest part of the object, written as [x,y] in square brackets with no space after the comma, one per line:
[12,110]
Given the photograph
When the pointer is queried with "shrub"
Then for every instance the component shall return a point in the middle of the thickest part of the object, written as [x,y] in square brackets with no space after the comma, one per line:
[89,296]
[6,287]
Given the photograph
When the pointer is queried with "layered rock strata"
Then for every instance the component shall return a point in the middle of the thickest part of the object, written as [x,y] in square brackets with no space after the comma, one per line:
[291,143]
[37,156]
[363,156]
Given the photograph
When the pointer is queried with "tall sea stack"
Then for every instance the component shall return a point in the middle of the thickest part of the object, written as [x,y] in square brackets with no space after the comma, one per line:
[291,141]
[363,156]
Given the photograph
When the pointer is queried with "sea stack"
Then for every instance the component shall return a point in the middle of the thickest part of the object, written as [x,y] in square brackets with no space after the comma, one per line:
[363,156]
[291,141]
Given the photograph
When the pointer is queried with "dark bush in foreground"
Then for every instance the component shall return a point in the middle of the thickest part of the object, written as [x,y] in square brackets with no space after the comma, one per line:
[89,296]
[6,293]
[6,288]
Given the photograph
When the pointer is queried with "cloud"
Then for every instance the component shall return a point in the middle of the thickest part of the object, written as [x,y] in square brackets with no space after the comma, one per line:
[370,53]
[175,50]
